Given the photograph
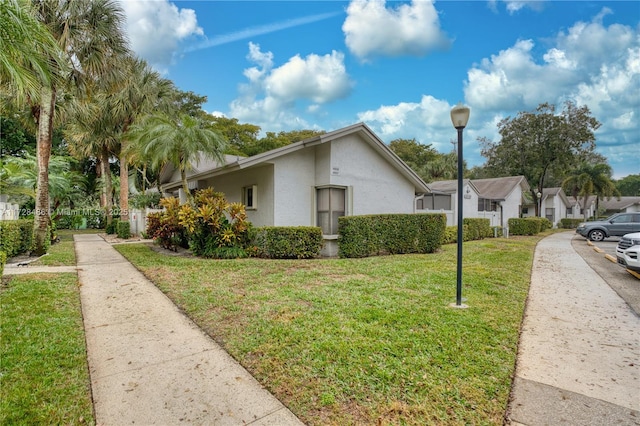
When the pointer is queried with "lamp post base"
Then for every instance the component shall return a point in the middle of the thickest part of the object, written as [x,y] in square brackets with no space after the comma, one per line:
[455,305]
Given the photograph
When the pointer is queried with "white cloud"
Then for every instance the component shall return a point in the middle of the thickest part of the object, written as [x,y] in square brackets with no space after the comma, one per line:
[271,93]
[156,29]
[373,30]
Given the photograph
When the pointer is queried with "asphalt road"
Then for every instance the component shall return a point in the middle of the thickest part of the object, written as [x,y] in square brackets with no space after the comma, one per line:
[626,285]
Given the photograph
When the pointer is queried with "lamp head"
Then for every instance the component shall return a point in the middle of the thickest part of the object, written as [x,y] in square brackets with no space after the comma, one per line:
[460,116]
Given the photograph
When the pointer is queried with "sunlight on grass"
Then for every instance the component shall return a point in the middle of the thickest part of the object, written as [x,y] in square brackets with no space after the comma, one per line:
[354,341]
[44,377]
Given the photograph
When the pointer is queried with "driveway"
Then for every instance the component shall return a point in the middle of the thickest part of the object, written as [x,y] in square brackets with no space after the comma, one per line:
[622,282]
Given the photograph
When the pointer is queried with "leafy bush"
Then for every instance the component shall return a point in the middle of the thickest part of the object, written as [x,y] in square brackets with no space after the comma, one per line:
[497,231]
[16,236]
[370,235]
[164,227]
[123,229]
[479,228]
[142,201]
[525,226]
[3,261]
[451,234]
[214,227]
[111,228]
[568,223]
[74,219]
[289,242]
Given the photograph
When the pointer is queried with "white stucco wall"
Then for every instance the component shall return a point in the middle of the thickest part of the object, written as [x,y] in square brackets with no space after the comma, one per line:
[232,183]
[377,186]
[511,206]
[294,179]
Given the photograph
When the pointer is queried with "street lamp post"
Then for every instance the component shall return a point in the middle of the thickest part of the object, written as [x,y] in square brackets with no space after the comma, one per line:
[459,118]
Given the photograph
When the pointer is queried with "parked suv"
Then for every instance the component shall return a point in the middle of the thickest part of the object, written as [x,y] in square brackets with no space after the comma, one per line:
[616,225]
[628,251]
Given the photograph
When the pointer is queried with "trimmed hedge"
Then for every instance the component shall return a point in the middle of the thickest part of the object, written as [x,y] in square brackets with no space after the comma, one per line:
[568,223]
[123,229]
[451,234]
[16,236]
[528,225]
[479,228]
[371,235]
[289,242]
[3,261]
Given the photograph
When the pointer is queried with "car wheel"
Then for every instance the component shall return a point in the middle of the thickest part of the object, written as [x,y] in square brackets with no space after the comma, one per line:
[596,235]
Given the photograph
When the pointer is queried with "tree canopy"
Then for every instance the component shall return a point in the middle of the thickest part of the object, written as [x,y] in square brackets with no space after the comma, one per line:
[540,143]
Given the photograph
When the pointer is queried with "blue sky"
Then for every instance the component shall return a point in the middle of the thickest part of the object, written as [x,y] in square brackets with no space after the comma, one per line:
[401,66]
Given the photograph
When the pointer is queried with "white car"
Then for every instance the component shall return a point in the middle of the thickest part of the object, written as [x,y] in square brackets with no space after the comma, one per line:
[628,251]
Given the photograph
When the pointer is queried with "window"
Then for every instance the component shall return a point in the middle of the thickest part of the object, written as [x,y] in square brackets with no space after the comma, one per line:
[330,204]
[525,210]
[250,197]
[486,205]
[569,211]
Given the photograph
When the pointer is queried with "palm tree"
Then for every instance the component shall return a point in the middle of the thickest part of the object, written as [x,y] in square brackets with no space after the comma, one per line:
[591,179]
[29,55]
[89,33]
[179,141]
[139,93]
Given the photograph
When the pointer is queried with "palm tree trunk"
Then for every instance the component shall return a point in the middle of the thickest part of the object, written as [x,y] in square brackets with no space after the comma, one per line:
[41,234]
[185,185]
[124,184]
[107,187]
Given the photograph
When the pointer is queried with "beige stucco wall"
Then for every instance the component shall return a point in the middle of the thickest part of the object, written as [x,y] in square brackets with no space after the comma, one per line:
[232,183]
[377,186]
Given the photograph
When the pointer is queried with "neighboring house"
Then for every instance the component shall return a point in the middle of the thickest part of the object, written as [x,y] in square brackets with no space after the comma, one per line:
[497,199]
[623,205]
[346,172]
[443,199]
[555,205]
[501,198]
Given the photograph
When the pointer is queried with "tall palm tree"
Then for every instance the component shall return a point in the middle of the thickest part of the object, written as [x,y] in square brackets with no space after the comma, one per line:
[89,33]
[29,55]
[588,180]
[138,93]
[179,141]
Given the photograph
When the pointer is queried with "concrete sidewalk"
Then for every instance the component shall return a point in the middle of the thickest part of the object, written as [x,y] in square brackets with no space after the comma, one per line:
[579,352]
[149,364]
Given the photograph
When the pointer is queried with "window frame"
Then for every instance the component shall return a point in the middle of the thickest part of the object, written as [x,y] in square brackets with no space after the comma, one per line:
[252,196]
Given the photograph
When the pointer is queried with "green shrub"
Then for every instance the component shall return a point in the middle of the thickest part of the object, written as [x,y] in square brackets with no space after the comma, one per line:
[497,231]
[451,234]
[525,226]
[214,227]
[112,227]
[479,228]
[123,229]
[289,242]
[16,236]
[568,223]
[370,235]
[3,261]
[75,219]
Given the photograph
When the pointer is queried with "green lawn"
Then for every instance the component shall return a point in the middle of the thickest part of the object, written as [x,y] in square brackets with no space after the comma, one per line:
[364,341]
[62,253]
[44,377]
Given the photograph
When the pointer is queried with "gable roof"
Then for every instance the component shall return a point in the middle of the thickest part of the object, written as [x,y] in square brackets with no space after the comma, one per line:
[239,163]
[621,204]
[499,188]
[449,186]
[559,192]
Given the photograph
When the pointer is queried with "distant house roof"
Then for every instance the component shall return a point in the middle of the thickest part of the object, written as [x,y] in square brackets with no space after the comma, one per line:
[499,188]
[618,205]
[238,163]
[449,186]
[559,192]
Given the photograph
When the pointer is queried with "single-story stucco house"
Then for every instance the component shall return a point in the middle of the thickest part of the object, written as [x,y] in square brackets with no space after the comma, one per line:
[349,171]
[496,199]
